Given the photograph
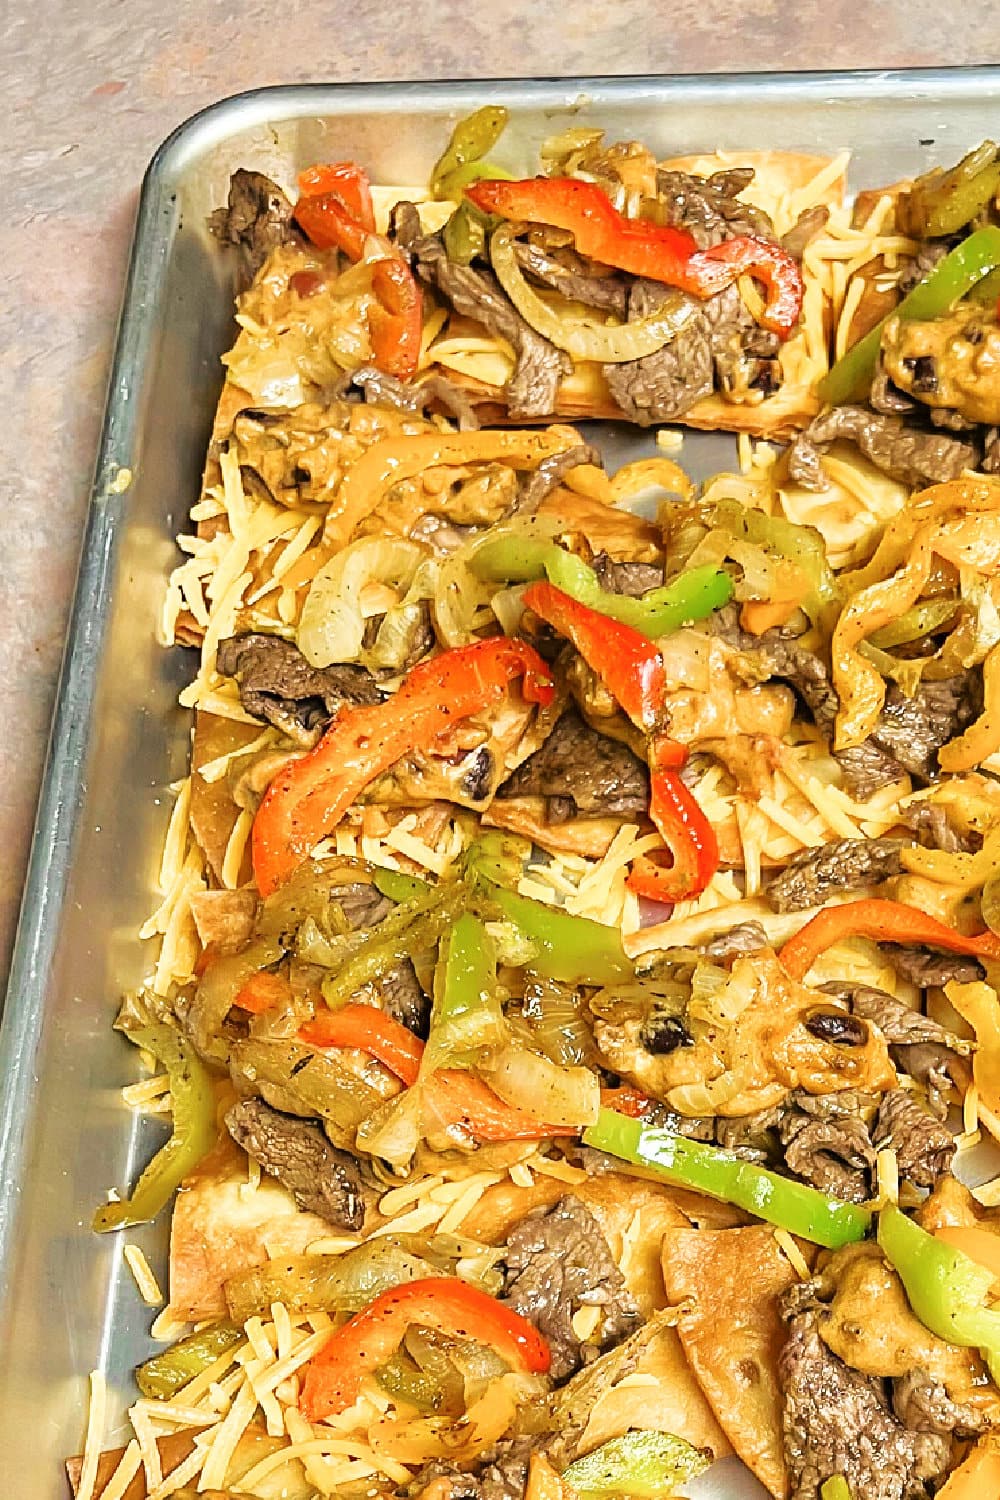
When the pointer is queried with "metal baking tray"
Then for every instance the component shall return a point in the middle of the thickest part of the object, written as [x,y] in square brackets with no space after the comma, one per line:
[67,1304]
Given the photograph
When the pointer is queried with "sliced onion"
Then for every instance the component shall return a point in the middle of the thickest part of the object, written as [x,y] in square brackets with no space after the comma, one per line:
[332,627]
[584,338]
[560,1096]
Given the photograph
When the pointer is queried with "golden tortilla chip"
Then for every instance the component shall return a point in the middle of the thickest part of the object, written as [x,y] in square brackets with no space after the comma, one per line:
[213,811]
[660,1395]
[728,1282]
[217,1229]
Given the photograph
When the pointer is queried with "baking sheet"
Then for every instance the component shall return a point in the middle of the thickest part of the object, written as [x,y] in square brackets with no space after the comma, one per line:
[67,1303]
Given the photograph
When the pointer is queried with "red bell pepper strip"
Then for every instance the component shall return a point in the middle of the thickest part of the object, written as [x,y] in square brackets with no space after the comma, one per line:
[656,251]
[631,668]
[335,208]
[688,835]
[443,1303]
[308,797]
[885,922]
[396,325]
[627,663]
[451,1096]
[372,1031]
[263,991]
[348,181]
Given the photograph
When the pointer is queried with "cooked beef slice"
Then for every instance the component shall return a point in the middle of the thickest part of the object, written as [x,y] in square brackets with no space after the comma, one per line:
[835,1156]
[501,1473]
[321,1179]
[565,273]
[538,365]
[923,1048]
[826,1142]
[912,730]
[719,346]
[600,776]
[914,457]
[402,998]
[748,937]
[381,389]
[930,824]
[710,208]
[837,1421]
[842,864]
[551,472]
[257,219]
[926,969]
[924,1146]
[278,685]
[557,1262]
[923,1405]
[362,904]
[630,578]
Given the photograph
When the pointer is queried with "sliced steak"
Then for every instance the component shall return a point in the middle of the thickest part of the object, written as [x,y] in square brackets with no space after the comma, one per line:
[549,475]
[923,1405]
[402,998]
[837,1421]
[381,389]
[664,385]
[321,1179]
[912,730]
[710,208]
[600,776]
[927,969]
[747,937]
[278,685]
[914,457]
[827,1144]
[557,1262]
[362,904]
[610,293]
[930,824]
[840,865]
[923,1048]
[539,366]
[633,579]
[924,1146]
[257,219]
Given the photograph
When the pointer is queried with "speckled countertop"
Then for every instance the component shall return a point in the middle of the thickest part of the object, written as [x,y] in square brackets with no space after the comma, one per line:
[92,86]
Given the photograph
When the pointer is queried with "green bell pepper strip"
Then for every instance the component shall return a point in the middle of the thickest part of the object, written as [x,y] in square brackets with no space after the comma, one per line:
[399,886]
[417,924]
[691,597]
[466,1014]
[194,1130]
[466,233]
[161,1377]
[943,202]
[574,950]
[718,1174]
[801,545]
[835,1488]
[471,139]
[454,184]
[646,1464]
[947,1289]
[952,278]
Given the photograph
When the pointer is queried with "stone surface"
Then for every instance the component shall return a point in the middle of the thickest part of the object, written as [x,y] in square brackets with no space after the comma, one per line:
[92,86]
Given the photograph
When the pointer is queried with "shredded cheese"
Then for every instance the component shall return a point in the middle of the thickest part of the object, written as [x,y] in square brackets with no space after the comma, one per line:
[95,1435]
[792,1253]
[149,1287]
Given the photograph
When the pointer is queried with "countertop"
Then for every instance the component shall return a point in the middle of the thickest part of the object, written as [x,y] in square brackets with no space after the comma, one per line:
[92,86]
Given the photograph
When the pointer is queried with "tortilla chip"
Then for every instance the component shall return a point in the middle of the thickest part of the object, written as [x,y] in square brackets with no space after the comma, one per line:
[588,838]
[217,1230]
[213,811]
[174,1447]
[729,1282]
[675,1403]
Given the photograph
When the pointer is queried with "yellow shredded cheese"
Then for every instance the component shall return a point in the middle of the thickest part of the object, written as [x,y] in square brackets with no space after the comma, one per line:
[149,1287]
[95,1435]
[792,1254]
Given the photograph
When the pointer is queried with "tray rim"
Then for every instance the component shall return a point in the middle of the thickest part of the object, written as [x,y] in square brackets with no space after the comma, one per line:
[50,862]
